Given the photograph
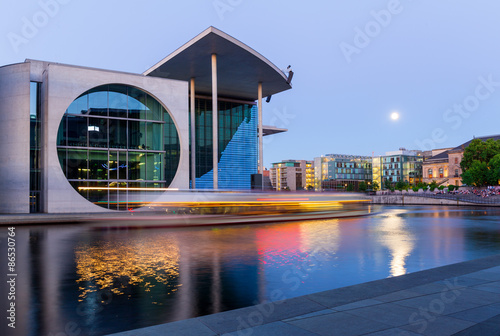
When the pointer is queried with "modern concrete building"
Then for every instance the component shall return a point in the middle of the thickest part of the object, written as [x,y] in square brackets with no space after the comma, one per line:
[78,139]
[341,172]
[292,175]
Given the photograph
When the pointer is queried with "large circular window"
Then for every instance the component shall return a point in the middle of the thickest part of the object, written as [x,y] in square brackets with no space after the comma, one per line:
[116,145]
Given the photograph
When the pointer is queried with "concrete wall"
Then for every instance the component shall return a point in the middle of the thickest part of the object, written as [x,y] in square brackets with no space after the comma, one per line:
[14,138]
[63,84]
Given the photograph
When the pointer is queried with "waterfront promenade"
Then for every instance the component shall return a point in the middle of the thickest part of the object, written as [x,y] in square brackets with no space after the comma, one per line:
[457,299]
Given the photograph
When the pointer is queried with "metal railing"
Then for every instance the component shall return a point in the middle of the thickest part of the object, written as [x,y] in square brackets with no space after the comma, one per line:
[471,198]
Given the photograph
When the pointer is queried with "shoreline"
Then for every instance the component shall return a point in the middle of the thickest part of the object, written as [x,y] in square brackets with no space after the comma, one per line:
[456,299]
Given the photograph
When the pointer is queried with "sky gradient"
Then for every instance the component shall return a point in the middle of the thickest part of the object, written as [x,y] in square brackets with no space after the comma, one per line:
[435,62]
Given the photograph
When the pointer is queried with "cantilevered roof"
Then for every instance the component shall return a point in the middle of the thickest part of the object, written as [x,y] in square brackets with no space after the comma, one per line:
[270,130]
[239,67]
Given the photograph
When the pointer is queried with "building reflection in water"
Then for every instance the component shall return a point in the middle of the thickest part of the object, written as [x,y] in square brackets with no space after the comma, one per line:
[109,281]
[115,265]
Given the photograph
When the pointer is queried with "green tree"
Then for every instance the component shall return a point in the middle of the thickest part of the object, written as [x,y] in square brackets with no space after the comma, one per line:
[478,150]
[433,185]
[476,174]
[400,185]
[387,184]
[310,187]
[441,187]
[451,187]
[375,186]
[349,187]
[362,186]
[494,170]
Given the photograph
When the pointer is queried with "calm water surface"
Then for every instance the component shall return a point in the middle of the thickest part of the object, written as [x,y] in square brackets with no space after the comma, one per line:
[75,280]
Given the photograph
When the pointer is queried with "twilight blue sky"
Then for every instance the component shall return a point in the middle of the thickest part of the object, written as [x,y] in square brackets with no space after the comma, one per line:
[435,62]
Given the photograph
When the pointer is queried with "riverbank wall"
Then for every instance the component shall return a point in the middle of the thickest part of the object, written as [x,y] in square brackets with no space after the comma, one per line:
[416,200]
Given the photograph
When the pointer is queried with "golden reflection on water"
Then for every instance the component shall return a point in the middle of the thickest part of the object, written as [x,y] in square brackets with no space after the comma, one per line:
[115,265]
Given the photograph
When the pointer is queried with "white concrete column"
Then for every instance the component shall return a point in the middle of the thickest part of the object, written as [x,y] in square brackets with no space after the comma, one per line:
[259,104]
[193,136]
[215,122]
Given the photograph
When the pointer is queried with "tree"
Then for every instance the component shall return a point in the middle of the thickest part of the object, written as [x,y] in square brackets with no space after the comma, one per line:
[310,187]
[494,169]
[350,187]
[481,163]
[478,150]
[387,184]
[375,186]
[362,186]
[476,174]
[433,185]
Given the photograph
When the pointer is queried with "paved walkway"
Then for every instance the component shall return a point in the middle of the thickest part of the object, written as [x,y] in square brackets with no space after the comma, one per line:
[458,299]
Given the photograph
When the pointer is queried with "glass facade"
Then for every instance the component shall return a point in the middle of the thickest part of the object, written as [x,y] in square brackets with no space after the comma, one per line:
[238,148]
[35,146]
[117,138]
[336,171]
[402,168]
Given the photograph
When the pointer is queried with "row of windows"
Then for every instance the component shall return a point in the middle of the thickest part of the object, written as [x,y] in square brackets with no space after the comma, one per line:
[111,165]
[77,131]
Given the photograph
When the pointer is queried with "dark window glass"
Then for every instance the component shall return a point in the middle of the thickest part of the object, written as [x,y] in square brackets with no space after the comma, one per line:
[98,165]
[117,133]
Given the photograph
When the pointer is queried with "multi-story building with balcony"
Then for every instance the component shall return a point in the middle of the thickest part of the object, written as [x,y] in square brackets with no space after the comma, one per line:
[398,166]
[292,175]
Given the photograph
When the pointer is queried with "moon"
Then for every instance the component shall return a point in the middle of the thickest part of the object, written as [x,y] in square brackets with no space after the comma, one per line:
[394,115]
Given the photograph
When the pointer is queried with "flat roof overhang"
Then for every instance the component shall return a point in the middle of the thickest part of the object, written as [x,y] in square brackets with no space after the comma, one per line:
[239,67]
[270,130]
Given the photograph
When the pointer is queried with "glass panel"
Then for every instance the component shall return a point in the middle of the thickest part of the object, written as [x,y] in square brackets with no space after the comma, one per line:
[98,165]
[122,196]
[117,133]
[136,166]
[155,135]
[136,135]
[137,103]
[77,164]
[79,105]
[98,132]
[154,109]
[77,131]
[118,101]
[98,196]
[98,101]
[113,165]
[154,166]
[61,153]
